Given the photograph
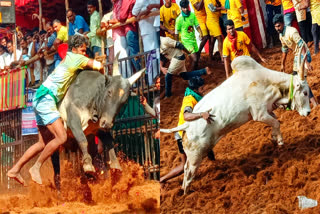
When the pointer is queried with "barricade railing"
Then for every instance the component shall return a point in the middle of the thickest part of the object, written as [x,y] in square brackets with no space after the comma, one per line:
[134,133]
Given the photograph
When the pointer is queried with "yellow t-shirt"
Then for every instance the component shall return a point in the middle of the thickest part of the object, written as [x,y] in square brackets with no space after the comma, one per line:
[315,11]
[63,34]
[274,2]
[188,101]
[287,4]
[222,4]
[212,19]
[200,14]
[242,46]
[211,15]
[234,13]
[168,17]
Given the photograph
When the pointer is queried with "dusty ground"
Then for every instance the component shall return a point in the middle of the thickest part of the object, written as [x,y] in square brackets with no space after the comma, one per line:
[250,174]
[128,192]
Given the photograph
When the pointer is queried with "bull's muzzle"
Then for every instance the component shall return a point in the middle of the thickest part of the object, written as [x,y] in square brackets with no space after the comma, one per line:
[106,125]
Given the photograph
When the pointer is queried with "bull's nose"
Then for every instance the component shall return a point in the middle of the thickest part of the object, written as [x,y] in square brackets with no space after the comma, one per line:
[106,125]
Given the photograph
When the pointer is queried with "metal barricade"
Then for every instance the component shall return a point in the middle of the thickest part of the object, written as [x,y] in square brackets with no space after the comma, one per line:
[134,130]
[12,145]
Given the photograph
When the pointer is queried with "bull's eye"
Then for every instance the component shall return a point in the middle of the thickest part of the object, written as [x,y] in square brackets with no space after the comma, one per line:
[305,93]
[109,93]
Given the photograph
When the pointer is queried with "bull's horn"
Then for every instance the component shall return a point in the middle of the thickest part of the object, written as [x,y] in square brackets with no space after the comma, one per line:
[136,76]
[299,56]
[115,67]
[302,67]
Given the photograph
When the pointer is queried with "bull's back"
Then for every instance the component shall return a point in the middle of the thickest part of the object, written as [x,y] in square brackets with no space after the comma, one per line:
[229,105]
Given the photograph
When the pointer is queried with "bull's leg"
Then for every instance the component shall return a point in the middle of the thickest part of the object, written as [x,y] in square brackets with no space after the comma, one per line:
[55,159]
[274,123]
[190,168]
[75,125]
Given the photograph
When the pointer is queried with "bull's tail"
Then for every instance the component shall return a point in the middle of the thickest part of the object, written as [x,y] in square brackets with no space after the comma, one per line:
[182,127]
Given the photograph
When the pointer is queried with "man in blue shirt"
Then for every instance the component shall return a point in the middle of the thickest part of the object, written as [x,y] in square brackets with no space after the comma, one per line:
[77,24]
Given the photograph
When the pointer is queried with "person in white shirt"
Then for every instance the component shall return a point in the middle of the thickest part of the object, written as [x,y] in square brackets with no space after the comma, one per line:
[10,58]
[147,30]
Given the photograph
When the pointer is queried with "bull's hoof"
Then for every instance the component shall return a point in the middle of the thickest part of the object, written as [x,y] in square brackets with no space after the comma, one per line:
[87,164]
[88,168]
[280,143]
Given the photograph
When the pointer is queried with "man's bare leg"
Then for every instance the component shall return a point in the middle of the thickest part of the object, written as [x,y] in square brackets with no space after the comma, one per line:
[14,172]
[57,129]
[178,170]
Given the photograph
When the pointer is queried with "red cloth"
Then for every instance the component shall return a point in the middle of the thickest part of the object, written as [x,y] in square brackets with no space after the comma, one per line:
[62,50]
[122,10]
[233,40]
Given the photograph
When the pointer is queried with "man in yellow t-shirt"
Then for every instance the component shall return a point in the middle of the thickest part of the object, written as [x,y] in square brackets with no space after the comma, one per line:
[200,12]
[191,98]
[235,13]
[168,14]
[213,8]
[237,43]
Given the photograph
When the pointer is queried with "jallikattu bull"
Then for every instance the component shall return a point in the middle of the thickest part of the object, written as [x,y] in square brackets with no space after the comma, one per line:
[250,93]
[94,95]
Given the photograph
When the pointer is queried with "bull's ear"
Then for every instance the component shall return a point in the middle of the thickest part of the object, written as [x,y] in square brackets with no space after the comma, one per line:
[107,80]
[115,67]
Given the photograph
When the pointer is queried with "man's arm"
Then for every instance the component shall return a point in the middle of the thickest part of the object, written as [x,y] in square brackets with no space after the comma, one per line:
[199,5]
[257,52]
[162,68]
[200,32]
[227,66]
[95,65]
[162,27]
[188,116]
[283,60]
[147,107]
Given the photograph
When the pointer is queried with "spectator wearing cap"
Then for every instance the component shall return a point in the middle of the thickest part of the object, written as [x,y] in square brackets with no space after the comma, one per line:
[191,97]
[185,24]
[237,43]
[173,51]
[77,24]
[290,39]
[95,40]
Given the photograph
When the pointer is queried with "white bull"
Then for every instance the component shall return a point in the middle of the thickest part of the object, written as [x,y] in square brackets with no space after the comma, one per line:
[248,94]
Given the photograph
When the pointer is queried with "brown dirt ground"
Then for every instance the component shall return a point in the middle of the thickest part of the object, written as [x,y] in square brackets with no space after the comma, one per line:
[250,174]
[128,192]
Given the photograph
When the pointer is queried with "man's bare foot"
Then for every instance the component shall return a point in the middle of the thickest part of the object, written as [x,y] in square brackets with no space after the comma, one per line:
[35,174]
[208,71]
[16,176]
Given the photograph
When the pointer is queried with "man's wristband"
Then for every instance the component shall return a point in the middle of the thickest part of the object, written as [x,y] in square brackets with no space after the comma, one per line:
[200,115]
